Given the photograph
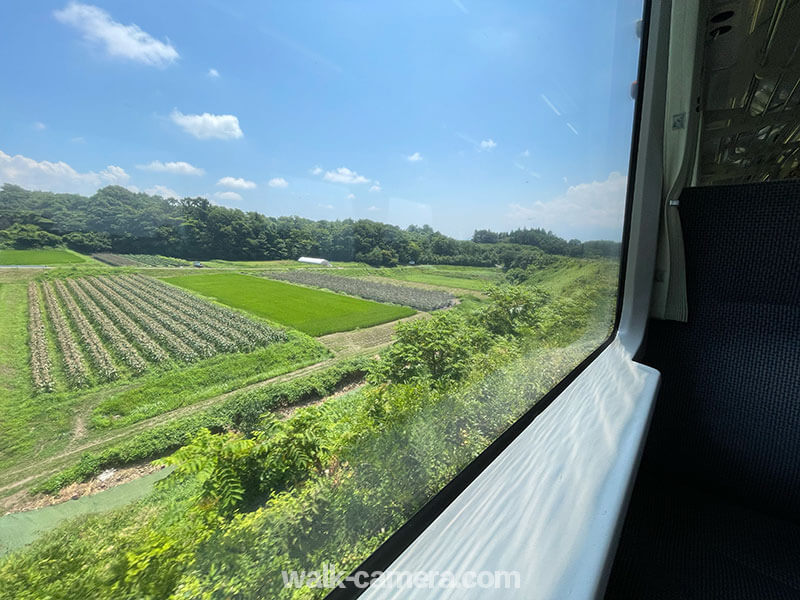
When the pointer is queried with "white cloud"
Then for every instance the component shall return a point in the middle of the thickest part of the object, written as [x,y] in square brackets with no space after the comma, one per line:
[525,153]
[344,175]
[326,206]
[278,182]
[118,40]
[207,126]
[213,73]
[114,175]
[39,126]
[178,168]
[416,157]
[228,196]
[584,207]
[316,170]
[373,208]
[351,196]
[78,140]
[375,187]
[56,176]
[487,144]
[163,191]
[237,183]
[575,131]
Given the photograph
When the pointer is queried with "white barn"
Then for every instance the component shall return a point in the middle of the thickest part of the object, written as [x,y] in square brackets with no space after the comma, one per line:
[314,261]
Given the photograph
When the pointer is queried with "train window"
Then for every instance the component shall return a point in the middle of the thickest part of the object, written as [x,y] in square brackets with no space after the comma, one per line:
[274,275]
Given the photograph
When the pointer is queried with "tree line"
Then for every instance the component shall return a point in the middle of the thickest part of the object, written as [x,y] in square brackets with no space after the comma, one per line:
[116,219]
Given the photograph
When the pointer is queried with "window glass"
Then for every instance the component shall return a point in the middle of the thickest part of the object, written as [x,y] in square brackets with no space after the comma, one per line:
[273,273]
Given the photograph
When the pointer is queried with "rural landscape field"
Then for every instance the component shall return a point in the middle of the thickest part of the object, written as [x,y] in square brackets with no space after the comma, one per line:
[160,411]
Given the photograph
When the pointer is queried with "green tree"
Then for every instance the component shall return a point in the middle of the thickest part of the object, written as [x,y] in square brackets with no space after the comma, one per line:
[512,309]
[440,349]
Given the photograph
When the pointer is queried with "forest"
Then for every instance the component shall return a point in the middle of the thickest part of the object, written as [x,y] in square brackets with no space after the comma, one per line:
[118,220]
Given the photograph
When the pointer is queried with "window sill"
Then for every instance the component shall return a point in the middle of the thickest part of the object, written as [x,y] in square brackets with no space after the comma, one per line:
[550,507]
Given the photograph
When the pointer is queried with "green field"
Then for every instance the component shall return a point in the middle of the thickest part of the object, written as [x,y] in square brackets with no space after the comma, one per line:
[52,256]
[271,264]
[463,278]
[314,312]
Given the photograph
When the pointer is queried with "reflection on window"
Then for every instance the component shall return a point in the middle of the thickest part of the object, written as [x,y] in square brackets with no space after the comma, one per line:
[272,274]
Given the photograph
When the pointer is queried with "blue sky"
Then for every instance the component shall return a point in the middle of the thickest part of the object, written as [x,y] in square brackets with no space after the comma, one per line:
[456,113]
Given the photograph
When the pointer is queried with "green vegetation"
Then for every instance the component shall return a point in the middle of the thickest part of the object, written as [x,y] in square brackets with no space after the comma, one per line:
[137,318]
[210,378]
[465,278]
[330,482]
[13,342]
[241,411]
[40,256]
[44,427]
[274,469]
[152,260]
[281,265]
[315,312]
[117,220]
[415,297]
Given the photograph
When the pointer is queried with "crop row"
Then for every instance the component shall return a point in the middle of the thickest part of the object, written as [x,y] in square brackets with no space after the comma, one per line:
[178,322]
[222,338]
[159,332]
[94,348]
[186,326]
[41,367]
[205,340]
[133,332]
[74,365]
[157,261]
[115,260]
[134,320]
[108,331]
[247,333]
[415,297]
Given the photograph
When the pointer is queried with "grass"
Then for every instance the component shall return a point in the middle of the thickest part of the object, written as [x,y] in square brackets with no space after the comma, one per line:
[241,410]
[271,264]
[14,378]
[43,256]
[25,418]
[463,278]
[571,274]
[315,312]
[214,376]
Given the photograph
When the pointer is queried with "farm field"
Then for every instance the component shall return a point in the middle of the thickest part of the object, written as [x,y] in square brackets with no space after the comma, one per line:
[105,327]
[140,260]
[418,298]
[42,256]
[80,354]
[328,396]
[154,260]
[273,264]
[465,278]
[315,312]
